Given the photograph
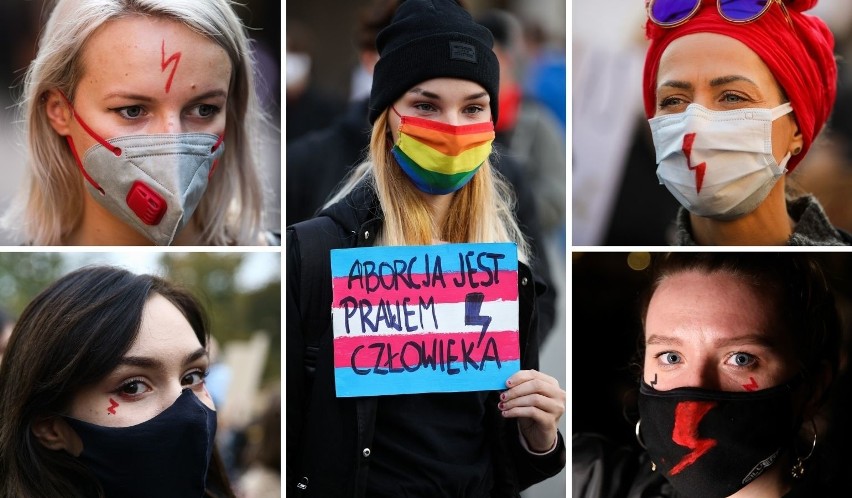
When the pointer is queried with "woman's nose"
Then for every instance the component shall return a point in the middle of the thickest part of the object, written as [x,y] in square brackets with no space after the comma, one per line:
[703,374]
[169,123]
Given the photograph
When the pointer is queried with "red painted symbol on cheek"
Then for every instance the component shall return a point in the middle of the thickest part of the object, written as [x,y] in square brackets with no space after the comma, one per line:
[751,387]
[688,140]
[112,407]
[688,415]
[165,62]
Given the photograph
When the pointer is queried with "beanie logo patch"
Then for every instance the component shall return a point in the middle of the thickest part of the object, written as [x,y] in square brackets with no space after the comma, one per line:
[462,52]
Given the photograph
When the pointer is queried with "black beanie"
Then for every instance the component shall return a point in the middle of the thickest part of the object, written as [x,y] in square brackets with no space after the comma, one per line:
[432,39]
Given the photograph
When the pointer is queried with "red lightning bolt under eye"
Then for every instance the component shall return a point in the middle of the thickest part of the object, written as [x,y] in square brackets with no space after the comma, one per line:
[688,415]
[688,139]
[113,406]
[165,62]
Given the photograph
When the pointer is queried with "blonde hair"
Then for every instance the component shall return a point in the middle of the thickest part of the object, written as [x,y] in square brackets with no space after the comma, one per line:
[229,211]
[481,211]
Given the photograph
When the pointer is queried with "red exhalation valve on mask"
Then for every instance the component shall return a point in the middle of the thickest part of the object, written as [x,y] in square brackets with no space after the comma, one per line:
[146,203]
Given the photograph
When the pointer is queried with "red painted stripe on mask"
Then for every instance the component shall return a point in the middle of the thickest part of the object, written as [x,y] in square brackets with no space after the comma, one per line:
[688,416]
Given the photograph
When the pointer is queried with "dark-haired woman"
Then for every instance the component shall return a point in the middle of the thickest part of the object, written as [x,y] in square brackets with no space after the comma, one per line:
[102,393]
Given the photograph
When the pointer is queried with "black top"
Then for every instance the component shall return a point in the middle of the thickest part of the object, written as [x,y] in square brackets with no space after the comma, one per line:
[443,436]
[601,469]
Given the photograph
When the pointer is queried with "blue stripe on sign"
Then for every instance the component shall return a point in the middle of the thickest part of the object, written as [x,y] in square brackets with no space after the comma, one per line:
[424,380]
[342,260]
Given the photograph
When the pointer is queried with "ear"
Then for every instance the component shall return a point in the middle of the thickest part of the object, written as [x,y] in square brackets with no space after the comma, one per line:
[54,433]
[797,141]
[58,111]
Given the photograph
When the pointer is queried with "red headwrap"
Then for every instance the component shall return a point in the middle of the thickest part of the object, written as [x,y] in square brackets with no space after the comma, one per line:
[802,63]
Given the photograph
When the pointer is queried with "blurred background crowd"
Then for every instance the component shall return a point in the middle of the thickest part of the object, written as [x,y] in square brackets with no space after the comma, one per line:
[616,198]
[241,293]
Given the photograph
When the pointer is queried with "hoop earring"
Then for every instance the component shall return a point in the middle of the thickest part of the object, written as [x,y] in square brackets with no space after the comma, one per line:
[798,469]
[638,437]
[639,440]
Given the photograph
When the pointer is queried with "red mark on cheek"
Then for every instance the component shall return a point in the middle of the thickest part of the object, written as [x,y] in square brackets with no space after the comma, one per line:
[688,140]
[751,387]
[688,415]
[112,407]
[165,63]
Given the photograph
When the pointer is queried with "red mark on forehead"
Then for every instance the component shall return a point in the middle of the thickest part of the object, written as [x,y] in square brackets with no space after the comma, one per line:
[688,415]
[688,140]
[165,62]
[112,407]
[752,386]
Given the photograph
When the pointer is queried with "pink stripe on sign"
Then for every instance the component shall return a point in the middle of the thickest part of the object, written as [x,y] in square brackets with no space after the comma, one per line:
[419,350]
[506,290]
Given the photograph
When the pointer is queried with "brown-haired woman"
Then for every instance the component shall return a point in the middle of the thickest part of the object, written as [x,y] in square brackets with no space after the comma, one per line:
[737,354]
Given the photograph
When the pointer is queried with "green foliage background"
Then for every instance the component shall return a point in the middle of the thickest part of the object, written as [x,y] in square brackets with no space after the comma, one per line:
[235,314]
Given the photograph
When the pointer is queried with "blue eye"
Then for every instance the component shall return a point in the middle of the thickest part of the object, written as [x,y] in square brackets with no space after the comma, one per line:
[742,360]
[669,358]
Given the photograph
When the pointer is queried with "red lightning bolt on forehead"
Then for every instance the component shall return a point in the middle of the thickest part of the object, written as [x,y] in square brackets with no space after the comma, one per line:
[688,140]
[165,62]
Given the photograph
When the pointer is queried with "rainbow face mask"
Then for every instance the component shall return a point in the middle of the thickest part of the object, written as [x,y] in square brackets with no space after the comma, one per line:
[441,158]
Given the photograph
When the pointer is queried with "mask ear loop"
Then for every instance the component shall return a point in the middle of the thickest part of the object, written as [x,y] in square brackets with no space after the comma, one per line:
[115,150]
[213,149]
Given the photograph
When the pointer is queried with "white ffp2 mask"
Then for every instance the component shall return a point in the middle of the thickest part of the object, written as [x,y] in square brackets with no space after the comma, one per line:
[718,164]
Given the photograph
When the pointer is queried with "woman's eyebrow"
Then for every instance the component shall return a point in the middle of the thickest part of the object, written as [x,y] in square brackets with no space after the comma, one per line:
[195,355]
[142,361]
[157,364]
[657,339]
[431,95]
[128,96]
[211,94]
[681,85]
[724,80]
[419,91]
[752,339]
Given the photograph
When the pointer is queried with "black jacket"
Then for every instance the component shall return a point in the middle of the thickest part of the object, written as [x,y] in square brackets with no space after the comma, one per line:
[601,469]
[328,438]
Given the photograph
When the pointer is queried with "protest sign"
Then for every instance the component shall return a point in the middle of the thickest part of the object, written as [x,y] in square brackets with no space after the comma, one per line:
[414,319]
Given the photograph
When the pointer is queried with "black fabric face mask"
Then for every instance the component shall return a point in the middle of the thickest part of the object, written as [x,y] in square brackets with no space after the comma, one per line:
[166,456]
[713,443]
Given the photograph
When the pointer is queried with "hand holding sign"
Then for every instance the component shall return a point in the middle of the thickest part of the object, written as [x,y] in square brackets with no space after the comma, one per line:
[537,401]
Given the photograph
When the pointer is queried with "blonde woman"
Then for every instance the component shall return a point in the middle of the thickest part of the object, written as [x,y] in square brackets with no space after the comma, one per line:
[437,76]
[139,118]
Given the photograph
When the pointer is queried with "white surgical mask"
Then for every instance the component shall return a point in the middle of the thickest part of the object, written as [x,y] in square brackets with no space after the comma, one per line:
[718,164]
